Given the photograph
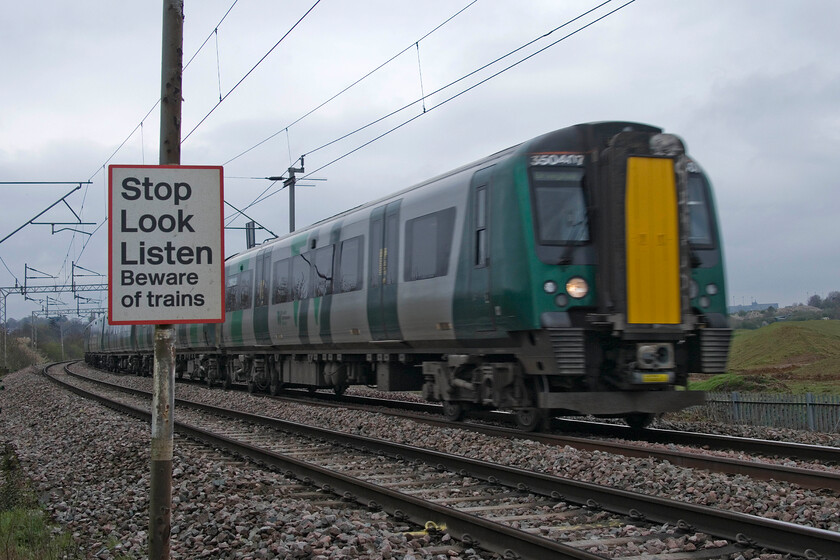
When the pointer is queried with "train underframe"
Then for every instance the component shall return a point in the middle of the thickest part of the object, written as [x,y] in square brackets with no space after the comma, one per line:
[551,372]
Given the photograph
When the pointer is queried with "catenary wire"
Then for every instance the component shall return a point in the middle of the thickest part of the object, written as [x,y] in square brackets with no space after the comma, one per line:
[386,133]
[248,73]
[130,135]
[458,80]
[394,57]
[469,88]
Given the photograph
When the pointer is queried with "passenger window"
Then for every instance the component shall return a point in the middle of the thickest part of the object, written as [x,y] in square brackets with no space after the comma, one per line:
[300,277]
[350,265]
[324,270]
[243,290]
[428,241]
[392,228]
[280,293]
[263,275]
[230,292]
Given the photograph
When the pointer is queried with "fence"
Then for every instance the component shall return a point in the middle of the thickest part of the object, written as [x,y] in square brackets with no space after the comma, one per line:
[819,413]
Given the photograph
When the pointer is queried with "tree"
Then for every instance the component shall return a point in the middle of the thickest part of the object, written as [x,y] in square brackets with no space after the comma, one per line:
[815,301]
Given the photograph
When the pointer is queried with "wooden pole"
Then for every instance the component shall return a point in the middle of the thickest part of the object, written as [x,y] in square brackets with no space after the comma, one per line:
[163,398]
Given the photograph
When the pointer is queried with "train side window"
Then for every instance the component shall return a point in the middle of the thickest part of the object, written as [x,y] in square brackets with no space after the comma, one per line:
[428,243]
[481,226]
[243,290]
[323,270]
[700,229]
[377,253]
[350,265]
[280,291]
[301,272]
[230,292]
[263,275]
[392,229]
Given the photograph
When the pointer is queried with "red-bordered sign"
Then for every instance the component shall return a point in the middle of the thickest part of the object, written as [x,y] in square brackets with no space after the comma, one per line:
[166,244]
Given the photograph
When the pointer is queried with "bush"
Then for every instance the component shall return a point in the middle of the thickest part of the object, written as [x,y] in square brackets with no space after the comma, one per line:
[19,354]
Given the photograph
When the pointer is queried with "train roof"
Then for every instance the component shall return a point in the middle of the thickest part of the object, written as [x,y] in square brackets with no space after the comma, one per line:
[582,134]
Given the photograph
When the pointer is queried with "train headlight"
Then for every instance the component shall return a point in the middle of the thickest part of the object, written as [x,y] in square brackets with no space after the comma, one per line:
[693,290]
[550,287]
[577,287]
[704,301]
[562,300]
[711,289]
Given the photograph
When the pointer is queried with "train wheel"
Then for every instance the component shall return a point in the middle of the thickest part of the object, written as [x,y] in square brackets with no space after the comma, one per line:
[453,411]
[639,420]
[274,388]
[227,383]
[529,419]
[251,387]
[339,389]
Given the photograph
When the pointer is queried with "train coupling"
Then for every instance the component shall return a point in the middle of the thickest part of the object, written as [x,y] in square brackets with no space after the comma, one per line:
[654,363]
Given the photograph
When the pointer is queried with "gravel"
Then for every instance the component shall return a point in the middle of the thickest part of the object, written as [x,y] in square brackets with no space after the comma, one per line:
[91,467]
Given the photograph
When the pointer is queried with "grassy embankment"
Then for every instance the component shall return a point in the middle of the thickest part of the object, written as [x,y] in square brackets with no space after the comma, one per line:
[795,357]
[26,532]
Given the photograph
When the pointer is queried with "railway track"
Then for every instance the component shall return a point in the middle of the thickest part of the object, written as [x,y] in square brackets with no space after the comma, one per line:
[502,509]
[806,477]
[768,448]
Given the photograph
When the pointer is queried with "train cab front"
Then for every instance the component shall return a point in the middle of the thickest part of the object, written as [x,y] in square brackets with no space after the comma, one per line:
[645,301]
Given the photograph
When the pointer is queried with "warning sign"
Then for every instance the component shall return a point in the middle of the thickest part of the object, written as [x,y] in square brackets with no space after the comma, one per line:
[166,244]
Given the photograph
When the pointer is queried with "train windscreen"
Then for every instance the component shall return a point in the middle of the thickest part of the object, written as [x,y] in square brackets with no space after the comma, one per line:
[560,206]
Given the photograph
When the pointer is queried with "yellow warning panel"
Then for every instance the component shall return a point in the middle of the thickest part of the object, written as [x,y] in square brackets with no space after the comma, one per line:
[652,237]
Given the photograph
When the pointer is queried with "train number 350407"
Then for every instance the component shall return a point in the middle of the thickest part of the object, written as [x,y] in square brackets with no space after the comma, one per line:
[557,159]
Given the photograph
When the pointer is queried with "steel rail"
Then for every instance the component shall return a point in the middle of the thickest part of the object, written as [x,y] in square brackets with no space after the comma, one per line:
[800,451]
[804,477]
[807,478]
[739,527]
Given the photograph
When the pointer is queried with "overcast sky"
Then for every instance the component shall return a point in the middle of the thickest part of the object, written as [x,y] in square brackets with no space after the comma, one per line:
[752,87]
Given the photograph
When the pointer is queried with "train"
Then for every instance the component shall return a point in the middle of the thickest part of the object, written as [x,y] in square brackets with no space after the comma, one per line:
[578,273]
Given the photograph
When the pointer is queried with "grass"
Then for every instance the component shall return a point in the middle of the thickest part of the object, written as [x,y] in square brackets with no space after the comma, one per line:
[26,532]
[785,357]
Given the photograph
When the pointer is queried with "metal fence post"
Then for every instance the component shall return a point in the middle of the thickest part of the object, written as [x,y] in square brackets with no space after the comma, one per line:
[809,409]
[736,407]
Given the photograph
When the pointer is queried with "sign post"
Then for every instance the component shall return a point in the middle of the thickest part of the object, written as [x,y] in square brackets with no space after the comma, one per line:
[165,261]
[165,266]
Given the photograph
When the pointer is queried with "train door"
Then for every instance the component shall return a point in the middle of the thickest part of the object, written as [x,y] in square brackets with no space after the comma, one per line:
[384,272]
[481,301]
[262,283]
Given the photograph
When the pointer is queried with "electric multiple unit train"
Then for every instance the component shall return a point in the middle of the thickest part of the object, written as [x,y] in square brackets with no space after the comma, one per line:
[580,272]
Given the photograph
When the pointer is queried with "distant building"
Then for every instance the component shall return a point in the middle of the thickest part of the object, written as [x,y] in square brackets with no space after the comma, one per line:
[754,306]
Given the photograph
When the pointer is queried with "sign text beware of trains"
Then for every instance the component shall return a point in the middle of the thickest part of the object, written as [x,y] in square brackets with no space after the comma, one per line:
[165,244]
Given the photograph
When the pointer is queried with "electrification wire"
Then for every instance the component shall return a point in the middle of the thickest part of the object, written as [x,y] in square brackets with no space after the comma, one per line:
[462,78]
[251,70]
[343,91]
[10,271]
[415,44]
[131,134]
[210,35]
[459,93]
